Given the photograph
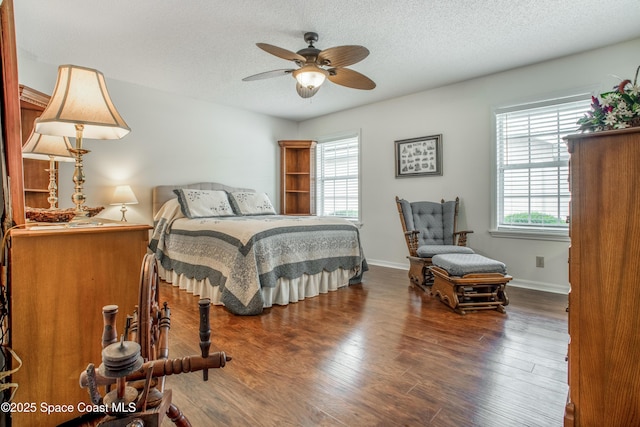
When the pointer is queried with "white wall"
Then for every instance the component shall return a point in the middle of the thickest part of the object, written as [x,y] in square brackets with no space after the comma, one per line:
[463,114]
[173,140]
[179,140]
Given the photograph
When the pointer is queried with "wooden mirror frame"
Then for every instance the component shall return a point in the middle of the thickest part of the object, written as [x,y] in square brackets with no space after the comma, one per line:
[11,127]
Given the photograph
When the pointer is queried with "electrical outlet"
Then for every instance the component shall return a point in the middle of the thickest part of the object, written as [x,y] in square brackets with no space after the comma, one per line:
[540,261]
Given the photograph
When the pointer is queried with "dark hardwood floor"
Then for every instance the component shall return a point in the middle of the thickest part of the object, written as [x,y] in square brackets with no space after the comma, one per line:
[376,354]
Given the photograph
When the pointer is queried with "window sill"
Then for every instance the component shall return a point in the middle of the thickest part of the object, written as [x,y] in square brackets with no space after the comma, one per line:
[559,236]
[357,223]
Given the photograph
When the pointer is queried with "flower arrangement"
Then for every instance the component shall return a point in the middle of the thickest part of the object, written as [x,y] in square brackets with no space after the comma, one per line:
[617,109]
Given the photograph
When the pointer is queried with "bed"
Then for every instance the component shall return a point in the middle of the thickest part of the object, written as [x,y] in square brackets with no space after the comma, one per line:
[243,255]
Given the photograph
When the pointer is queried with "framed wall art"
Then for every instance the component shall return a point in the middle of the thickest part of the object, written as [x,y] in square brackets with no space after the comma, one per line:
[419,156]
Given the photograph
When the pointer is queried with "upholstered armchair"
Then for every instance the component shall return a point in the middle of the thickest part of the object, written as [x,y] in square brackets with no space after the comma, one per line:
[430,229]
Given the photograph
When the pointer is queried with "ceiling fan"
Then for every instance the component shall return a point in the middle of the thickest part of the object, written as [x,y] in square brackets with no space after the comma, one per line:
[315,65]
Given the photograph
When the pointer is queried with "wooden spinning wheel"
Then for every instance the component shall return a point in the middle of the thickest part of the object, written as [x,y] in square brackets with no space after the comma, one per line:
[139,377]
[154,345]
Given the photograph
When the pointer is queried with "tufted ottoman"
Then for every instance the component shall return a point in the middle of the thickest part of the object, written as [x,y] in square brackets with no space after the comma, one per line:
[470,282]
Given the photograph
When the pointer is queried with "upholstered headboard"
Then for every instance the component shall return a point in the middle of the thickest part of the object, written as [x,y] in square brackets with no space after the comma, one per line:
[163,193]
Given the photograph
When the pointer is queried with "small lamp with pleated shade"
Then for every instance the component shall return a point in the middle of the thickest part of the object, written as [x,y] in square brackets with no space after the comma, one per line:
[123,195]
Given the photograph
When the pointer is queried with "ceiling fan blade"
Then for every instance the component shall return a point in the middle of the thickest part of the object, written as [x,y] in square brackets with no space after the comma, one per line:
[342,56]
[268,75]
[350,78]
[305,92]
[281,53]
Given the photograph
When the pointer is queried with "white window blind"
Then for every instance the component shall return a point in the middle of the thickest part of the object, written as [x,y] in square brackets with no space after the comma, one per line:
[337,177]
[533,164]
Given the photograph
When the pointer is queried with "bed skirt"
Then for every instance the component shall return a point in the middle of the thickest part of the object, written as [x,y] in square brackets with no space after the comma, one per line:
[285,291]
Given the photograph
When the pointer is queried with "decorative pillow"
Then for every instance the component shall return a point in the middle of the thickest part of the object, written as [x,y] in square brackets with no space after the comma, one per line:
[249,203]
[203,203]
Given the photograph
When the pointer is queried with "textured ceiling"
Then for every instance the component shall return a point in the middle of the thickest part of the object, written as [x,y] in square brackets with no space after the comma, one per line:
[203,48]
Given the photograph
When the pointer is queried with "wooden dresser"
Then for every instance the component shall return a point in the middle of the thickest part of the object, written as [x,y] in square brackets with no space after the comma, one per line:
[604,272]
[60,280]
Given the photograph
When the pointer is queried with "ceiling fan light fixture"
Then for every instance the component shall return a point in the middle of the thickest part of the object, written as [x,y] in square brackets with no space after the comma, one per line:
[314,66]
[310,76]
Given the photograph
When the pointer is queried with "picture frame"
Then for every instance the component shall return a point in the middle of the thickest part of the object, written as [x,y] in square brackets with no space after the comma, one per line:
[419,156]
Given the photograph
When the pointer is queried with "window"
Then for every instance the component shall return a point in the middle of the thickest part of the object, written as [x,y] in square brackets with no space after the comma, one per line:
[338,177]
[532,167]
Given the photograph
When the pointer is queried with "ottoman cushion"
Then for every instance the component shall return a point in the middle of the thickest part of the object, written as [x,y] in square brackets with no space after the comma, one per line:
[461,264]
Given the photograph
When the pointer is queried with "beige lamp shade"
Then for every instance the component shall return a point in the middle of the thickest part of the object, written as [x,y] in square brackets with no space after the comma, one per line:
[123,195]
[44,147]
[81,98]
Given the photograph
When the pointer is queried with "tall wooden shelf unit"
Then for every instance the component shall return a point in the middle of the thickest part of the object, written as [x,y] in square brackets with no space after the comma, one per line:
[297,177]
[604,271]
[36,177]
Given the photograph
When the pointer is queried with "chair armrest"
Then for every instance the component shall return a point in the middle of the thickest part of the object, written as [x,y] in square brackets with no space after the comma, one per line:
[462,237]
[412,241]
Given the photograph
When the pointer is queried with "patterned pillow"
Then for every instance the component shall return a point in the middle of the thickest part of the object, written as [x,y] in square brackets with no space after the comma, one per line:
[249,203]
[203,203]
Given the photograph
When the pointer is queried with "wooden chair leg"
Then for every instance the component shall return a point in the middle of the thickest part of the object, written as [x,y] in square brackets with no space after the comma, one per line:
[419,273]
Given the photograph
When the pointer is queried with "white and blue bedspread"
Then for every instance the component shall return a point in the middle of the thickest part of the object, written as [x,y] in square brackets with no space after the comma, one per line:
[243,254]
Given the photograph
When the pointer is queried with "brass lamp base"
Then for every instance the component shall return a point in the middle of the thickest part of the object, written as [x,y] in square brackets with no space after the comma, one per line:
[53,185]
[78,196]
[123,209]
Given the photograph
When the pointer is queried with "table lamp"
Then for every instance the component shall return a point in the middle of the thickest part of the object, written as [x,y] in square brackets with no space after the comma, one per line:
[123,195]
[80,106]
[52,148]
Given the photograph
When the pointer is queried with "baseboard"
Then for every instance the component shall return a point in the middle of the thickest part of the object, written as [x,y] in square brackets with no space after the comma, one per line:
[396,265]
[555,288]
